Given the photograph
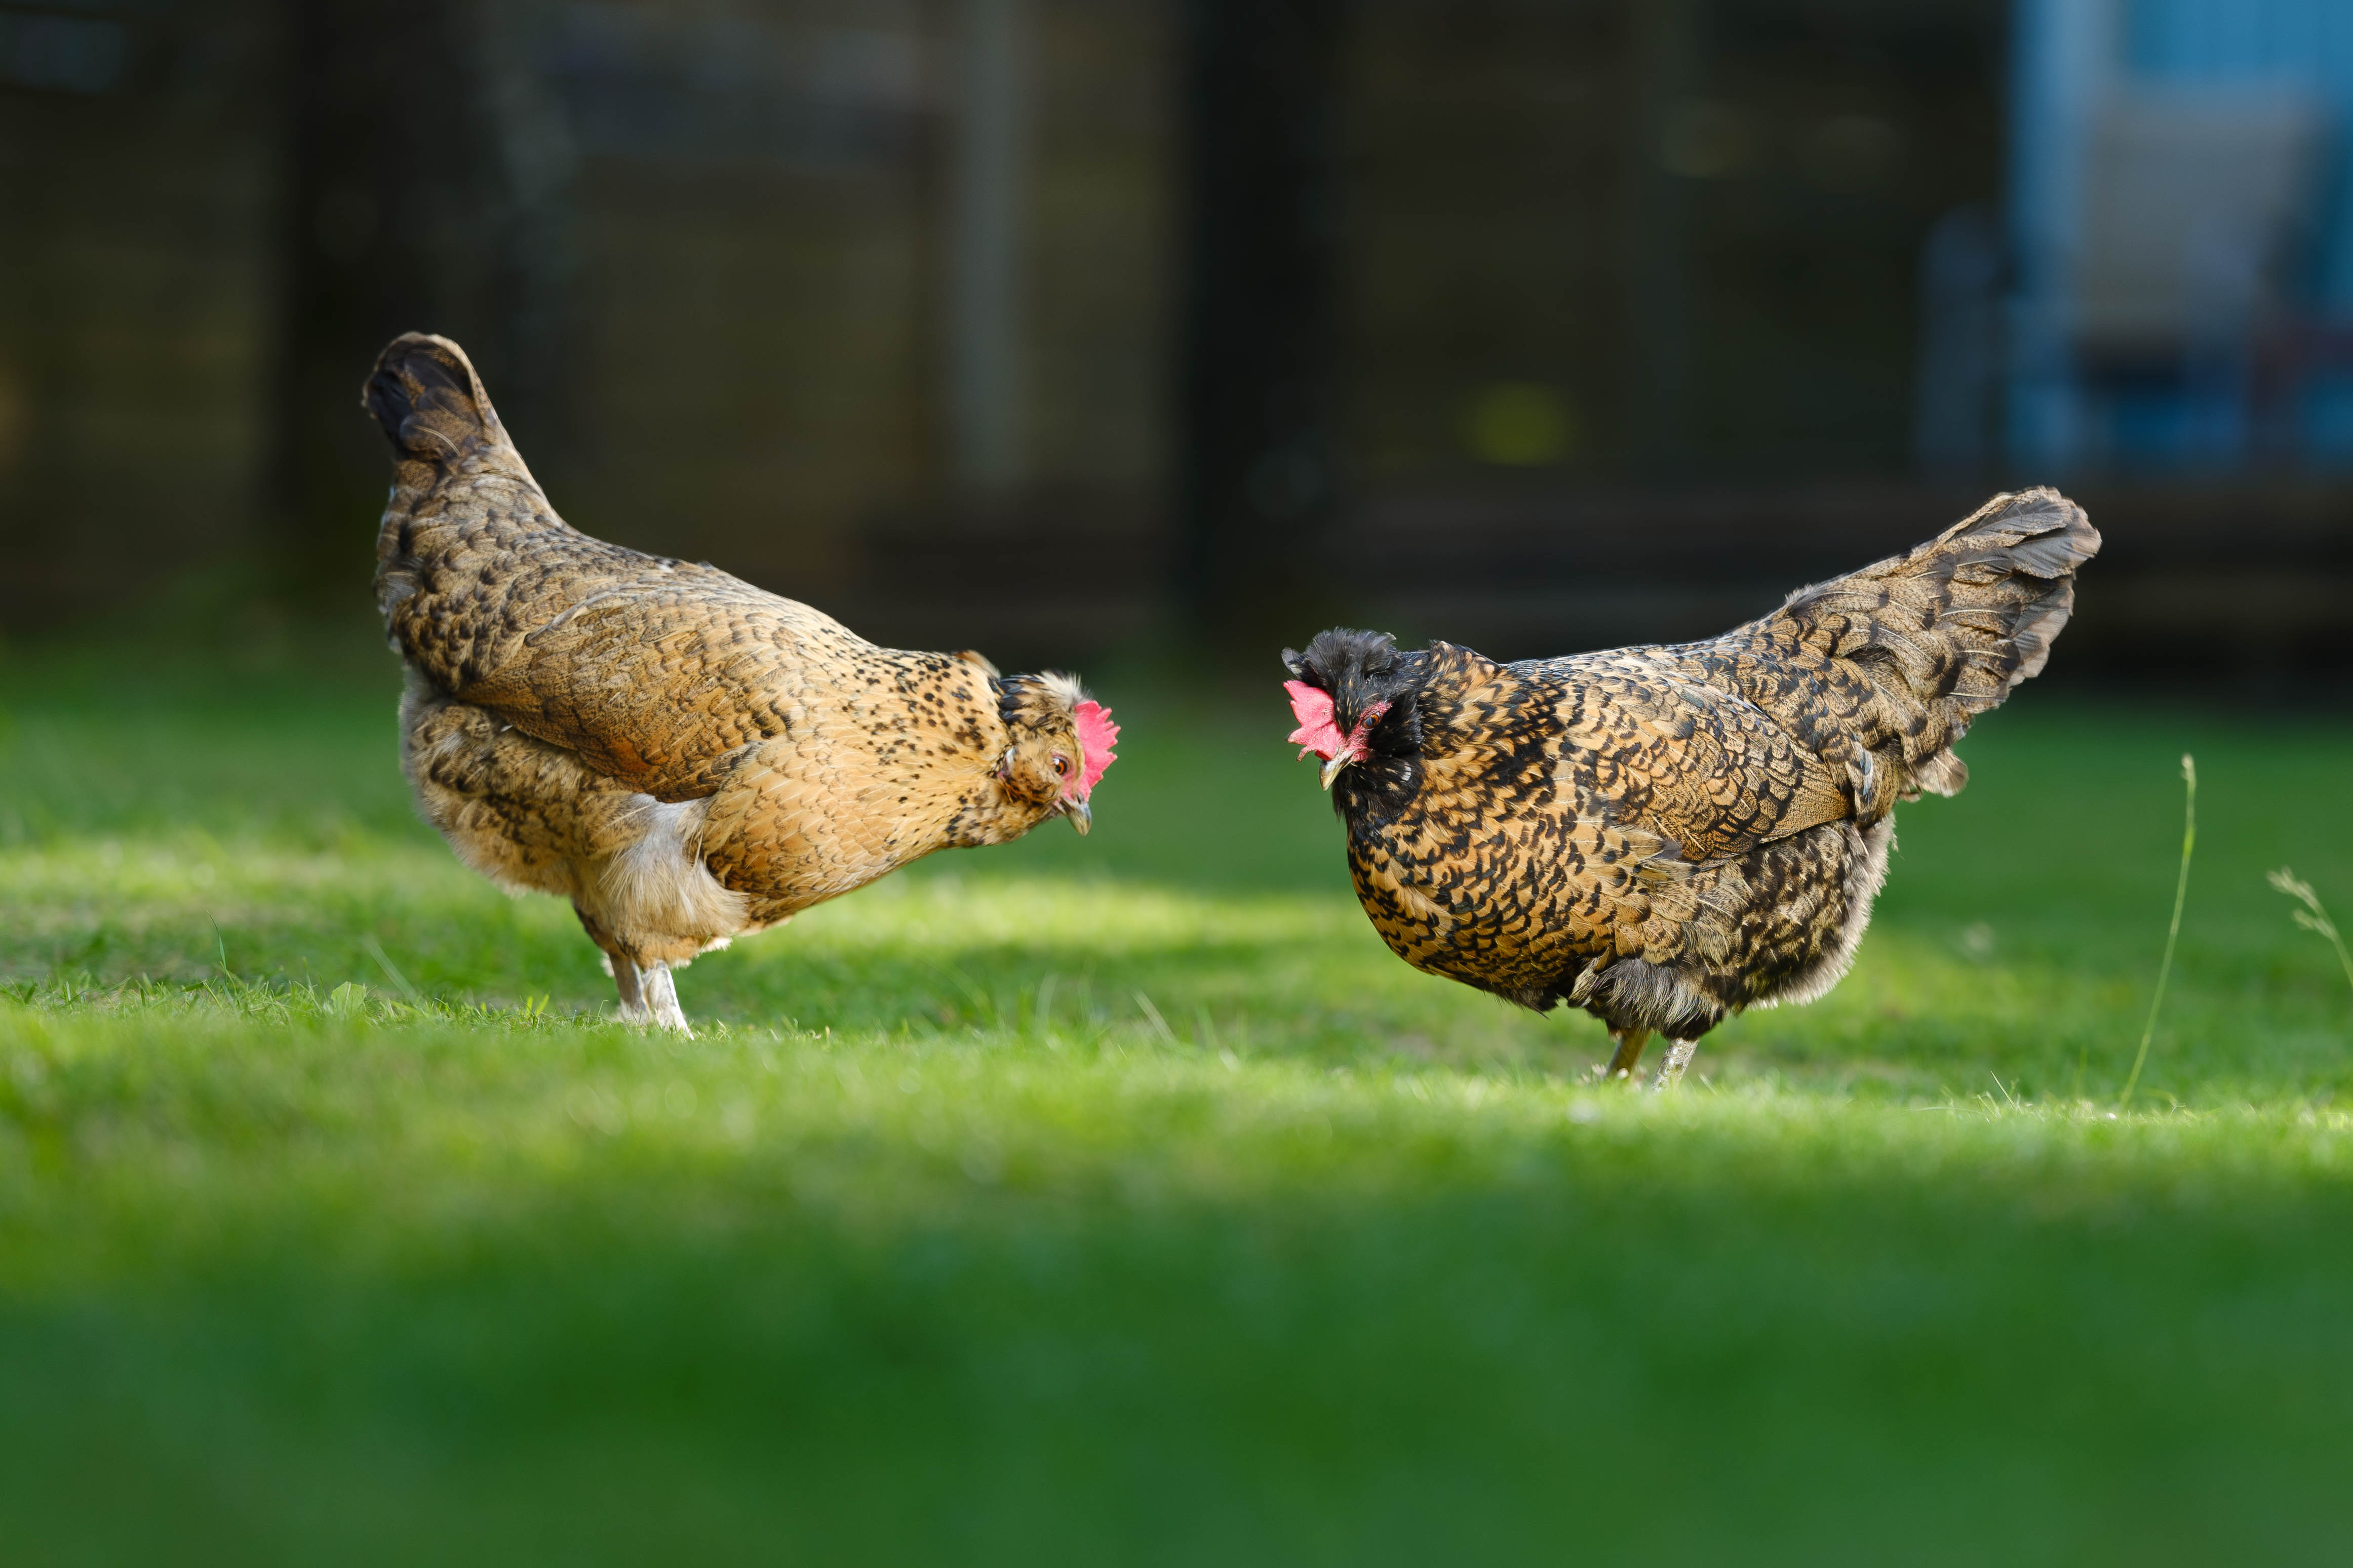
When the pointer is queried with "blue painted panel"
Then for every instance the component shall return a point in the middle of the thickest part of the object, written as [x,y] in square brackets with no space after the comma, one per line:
[2304,44]
[2066,54]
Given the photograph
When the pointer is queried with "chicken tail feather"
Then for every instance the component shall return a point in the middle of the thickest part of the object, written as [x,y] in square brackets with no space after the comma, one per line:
[1948,631]
[431,406]
[460,493]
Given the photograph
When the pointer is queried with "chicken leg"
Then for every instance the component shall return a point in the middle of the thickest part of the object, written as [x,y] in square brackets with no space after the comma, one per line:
[1629,1053]
[625,980]
[661,999]
[1671,1071]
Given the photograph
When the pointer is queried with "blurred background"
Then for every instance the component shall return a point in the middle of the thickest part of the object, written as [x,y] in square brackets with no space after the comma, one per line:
[1055,326]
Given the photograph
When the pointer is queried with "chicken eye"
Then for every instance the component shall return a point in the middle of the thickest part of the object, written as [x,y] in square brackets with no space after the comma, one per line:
[1061,767]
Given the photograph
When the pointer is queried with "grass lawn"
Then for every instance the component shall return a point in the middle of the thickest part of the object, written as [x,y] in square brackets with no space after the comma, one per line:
[1123,1200]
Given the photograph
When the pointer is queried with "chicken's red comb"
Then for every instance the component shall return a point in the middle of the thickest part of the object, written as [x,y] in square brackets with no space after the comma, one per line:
[1097,735]
[1316,731]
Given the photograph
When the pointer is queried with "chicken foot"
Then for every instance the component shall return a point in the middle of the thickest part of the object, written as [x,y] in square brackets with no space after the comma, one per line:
[661,999]
[1628,1056]
[648,994]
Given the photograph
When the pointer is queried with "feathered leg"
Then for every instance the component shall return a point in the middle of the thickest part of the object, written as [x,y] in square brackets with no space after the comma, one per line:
[1629,1053]
[661,1000]
[1671,1071]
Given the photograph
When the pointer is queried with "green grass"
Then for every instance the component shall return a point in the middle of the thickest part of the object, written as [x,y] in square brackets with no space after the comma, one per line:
[1123,1200]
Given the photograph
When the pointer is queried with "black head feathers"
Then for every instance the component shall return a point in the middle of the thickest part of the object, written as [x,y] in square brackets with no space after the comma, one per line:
[1359,669]
[1370,682]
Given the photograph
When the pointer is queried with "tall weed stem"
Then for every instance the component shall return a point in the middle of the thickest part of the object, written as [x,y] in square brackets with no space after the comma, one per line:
[2173,932]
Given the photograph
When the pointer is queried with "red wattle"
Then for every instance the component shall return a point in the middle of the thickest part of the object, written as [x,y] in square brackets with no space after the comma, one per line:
[1316,731]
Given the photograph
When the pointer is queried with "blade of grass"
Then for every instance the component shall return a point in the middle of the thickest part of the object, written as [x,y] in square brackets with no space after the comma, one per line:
[375,951]
[2173,932]
[1159,1025]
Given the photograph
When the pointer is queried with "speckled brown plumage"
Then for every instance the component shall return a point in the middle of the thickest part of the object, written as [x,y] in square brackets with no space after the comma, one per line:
[1664,836]
[684,756]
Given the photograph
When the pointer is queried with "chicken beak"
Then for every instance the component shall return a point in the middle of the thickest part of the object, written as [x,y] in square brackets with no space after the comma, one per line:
[1082,815]
[1332,769]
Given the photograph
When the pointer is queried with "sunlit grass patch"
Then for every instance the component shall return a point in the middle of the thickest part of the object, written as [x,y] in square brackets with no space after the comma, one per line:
[1124,1199]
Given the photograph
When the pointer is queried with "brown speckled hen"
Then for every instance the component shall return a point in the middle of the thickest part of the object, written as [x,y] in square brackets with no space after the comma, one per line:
[1666,835]
[683,757]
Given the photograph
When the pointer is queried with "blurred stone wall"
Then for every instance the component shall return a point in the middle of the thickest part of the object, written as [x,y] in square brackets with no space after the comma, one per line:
[1624,339]
[1668,242]
[767,348]
[701,249]
[137,189]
